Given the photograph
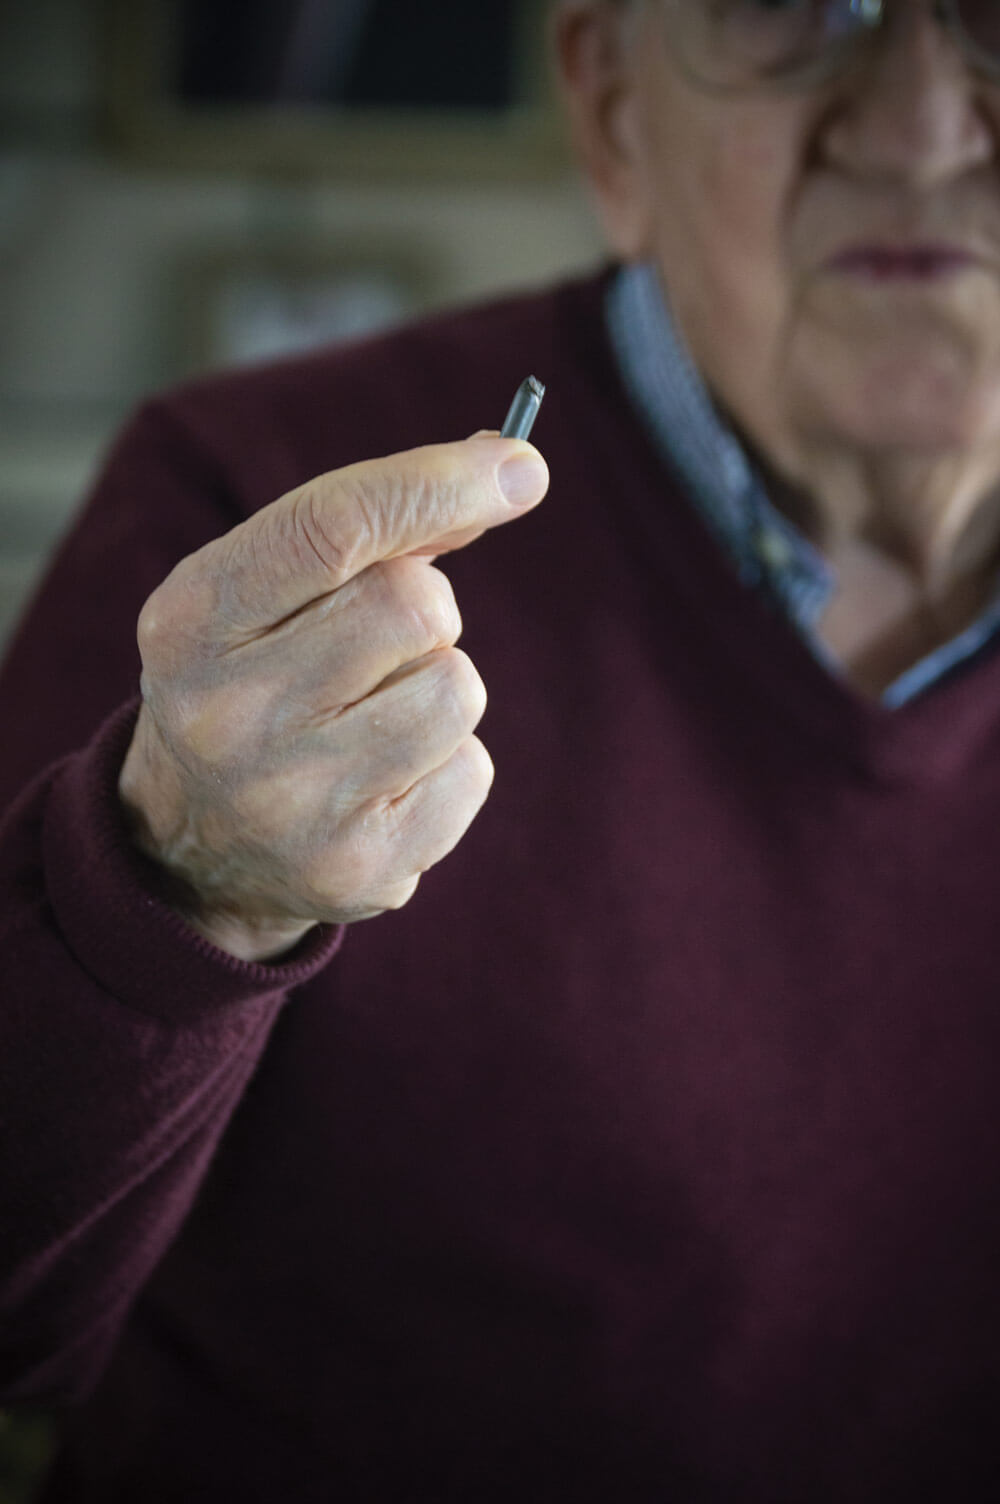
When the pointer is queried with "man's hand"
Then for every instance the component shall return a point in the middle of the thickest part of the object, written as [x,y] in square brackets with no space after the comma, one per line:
[304,750]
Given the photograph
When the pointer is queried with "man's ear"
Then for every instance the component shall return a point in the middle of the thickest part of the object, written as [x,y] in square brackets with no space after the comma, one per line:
[597,49]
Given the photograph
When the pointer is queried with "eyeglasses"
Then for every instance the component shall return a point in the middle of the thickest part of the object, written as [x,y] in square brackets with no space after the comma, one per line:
[746,44]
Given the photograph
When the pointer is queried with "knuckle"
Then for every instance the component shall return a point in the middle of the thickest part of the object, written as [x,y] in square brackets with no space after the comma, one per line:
[439,607]
[479,766]
[357,512]
[333,536]
[202,726]
[399,894]
[175,623]
[460,682]
[154,624]
[360,874]
[436,815]
[423,600]
[332,875]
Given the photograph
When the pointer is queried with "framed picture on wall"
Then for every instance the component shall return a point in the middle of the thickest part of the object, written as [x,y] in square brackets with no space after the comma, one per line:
[391,88]
[249,303]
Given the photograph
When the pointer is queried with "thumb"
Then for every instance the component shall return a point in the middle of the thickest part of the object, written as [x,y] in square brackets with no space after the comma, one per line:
[426,500]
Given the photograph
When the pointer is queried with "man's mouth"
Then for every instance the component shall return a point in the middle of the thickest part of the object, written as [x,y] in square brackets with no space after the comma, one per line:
[910,263]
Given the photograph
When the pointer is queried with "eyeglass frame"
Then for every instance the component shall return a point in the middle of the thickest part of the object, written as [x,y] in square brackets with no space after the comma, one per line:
[870,16]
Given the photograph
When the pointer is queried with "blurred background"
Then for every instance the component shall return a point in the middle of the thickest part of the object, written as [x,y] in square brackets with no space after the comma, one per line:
[191,183]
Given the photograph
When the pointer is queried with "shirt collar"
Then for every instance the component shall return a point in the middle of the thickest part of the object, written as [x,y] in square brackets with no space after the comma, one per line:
[768,551]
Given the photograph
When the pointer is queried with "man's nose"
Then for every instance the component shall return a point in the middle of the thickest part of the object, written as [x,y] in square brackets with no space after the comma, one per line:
[913,110]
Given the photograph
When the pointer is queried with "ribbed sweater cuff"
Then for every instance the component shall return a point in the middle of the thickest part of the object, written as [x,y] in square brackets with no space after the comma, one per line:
[105,904]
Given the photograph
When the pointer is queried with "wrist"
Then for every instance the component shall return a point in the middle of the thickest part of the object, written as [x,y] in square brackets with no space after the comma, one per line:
[154,805]
[248,940]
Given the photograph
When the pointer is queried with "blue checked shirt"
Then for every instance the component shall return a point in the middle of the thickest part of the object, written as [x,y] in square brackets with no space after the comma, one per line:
[770,554]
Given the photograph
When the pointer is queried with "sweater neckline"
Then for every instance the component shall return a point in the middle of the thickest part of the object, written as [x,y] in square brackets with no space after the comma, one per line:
[759,657]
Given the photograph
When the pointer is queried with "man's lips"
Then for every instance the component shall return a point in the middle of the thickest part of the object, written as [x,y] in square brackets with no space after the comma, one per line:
[914,263]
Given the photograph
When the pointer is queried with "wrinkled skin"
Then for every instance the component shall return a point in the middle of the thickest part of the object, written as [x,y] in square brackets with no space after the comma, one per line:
[305,747]
[871,403]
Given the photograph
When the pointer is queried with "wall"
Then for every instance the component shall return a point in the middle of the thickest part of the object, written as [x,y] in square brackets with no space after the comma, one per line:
[103,263]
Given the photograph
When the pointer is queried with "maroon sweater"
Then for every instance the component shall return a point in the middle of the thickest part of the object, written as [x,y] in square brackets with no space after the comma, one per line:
[651,1153]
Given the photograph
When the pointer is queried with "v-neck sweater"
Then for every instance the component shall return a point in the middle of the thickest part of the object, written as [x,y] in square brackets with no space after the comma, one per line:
[649,1153]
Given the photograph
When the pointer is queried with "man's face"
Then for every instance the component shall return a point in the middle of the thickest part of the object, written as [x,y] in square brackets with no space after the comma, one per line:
[832,252]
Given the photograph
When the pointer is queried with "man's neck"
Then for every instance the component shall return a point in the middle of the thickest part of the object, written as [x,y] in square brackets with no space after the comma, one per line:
[915,546]
[880,622]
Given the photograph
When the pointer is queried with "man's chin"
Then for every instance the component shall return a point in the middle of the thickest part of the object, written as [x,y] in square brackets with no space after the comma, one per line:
[923,406]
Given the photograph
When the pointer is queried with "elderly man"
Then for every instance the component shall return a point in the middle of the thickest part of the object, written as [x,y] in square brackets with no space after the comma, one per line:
[652,1151]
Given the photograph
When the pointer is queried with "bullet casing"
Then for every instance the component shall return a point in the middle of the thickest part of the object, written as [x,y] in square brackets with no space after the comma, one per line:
[523,410]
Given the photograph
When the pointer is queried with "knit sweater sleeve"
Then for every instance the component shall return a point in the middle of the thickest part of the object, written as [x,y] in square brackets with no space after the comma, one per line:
[126,1040]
